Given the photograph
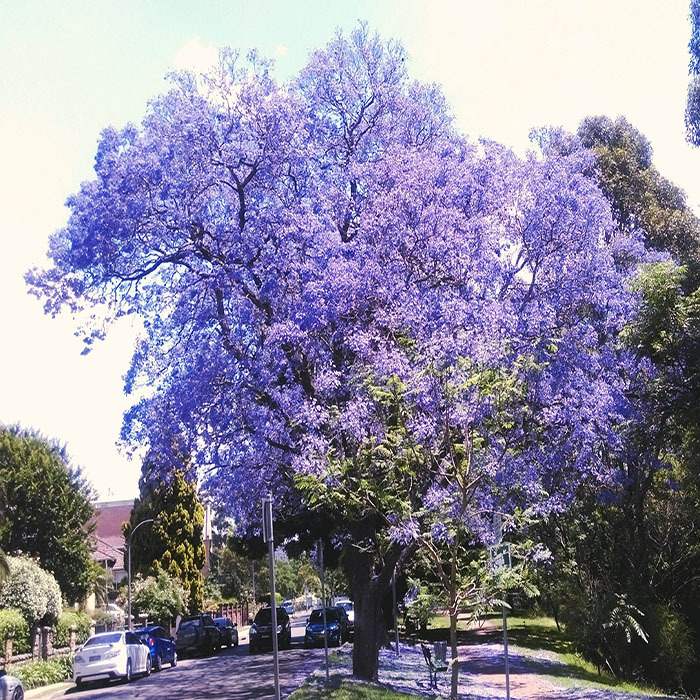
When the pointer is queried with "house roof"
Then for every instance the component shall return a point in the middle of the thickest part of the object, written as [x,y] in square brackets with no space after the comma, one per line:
[109,542]
[106,553]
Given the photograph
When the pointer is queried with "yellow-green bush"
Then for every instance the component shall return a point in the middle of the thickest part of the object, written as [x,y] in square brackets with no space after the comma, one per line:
[11,620]
[69,618]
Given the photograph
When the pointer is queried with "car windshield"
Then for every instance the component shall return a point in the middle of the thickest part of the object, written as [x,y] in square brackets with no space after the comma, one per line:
[221,621]
[113,638]
[196,621]
[264,616]
[317,616]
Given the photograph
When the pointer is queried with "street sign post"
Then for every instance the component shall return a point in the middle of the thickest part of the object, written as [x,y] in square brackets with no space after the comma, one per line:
[323,607]
[499,558]
[269,538]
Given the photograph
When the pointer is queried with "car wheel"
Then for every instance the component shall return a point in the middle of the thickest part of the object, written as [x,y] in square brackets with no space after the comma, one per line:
[18,694]
[148,665]
[235,644]
[173,663]
[158,664]
[127,677]
[208,647]
[251,649]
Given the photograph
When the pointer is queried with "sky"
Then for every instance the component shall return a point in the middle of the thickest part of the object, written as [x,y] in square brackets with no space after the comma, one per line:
[72,68]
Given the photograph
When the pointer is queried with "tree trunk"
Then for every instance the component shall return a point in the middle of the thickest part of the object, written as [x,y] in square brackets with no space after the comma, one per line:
[369,586]
[455,665]
[369,634]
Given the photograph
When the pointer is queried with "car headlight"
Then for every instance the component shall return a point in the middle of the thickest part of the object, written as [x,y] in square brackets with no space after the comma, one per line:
[253,631]
[79,659]
[279,628]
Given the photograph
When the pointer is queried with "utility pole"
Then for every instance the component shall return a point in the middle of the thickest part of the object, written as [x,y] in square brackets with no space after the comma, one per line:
[253,585]
[323,606]
[131,534]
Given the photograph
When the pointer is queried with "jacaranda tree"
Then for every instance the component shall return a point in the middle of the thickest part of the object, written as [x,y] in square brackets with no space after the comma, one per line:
[311,259]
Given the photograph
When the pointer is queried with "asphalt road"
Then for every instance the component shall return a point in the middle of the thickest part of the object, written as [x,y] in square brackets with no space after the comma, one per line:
[232,673]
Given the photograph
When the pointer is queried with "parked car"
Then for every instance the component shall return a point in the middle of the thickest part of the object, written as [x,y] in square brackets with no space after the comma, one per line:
[198,633]
[10,687]
[288,605]
[160,645]
[111,655]
[336,627]
[260,635]
[228,630]
[345,621]
[349,608]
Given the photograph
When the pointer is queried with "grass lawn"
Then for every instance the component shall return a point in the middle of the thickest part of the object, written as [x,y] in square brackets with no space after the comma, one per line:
[345,689]
[537,634]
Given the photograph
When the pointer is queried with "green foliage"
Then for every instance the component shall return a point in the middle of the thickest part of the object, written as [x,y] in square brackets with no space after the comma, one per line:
[32,591]
[174,543]
[641,198]
[161,597]
[12,622]
[71,618]
[39,673]
[672,639]
[420,604]
[212,594]
[48,509]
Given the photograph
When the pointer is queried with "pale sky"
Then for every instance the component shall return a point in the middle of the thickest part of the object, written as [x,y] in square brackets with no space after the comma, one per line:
[71,68]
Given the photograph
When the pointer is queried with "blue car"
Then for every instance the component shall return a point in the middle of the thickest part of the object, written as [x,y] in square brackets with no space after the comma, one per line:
[160,646]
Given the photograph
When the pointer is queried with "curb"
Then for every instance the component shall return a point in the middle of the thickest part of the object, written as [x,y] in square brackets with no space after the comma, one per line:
[54,690]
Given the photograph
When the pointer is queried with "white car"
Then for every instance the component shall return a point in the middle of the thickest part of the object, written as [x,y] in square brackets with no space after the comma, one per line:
[111,655]
[349,608]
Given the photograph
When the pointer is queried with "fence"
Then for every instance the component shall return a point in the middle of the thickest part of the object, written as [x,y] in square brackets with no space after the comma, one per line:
[42,647]
[42,637]
[238,614]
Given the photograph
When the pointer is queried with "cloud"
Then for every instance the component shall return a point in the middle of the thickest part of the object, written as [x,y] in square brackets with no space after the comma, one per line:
[196,57]
[281,49]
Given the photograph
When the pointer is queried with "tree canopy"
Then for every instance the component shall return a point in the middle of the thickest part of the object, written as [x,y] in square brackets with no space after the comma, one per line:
[339,289]
[47,509]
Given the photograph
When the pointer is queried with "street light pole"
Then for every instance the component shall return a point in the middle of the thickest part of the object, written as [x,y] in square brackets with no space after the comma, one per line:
[131,534]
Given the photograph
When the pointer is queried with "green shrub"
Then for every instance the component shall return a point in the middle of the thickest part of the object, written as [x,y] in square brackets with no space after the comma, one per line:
[11,620]
[68,619]
[161,597]
[33,591]
[672,644]
[102,617]
[38,673]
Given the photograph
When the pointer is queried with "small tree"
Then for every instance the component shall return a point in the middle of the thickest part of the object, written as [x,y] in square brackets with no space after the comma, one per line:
[47,510]
[161,597]
[175,542]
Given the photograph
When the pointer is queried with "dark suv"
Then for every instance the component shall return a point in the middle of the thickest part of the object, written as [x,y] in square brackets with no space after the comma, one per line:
[229,631]
[198,633]
[336,627]
[260,634]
